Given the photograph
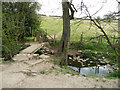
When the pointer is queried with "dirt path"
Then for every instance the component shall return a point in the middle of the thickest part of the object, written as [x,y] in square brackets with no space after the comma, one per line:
[36,73]
[56,35]
[17,75]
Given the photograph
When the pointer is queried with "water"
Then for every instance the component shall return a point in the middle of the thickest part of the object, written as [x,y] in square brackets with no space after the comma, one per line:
[99,71]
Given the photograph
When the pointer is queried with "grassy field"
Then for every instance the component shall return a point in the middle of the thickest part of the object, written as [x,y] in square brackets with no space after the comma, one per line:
[54,25]
[78,26]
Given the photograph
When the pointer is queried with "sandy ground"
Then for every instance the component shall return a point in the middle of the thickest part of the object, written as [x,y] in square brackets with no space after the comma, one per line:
[15,75]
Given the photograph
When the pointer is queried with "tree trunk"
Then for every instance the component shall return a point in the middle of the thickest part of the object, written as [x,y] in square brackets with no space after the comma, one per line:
[64,45]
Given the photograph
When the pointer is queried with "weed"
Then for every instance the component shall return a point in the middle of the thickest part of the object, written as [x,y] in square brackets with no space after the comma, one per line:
[43,72]
[113,75]
[104,80]
[97,80]
[95,86]
[101,86]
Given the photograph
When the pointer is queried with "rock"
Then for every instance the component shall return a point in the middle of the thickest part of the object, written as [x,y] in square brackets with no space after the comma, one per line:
[47,50]
[52,52]
[45,53]
[91,61]
[47,44]
[68,75]
[34,74]
[98,65]
[84,60]
[95,52]
[21,57]
[87,58]
[74,58]
[78,54]
[69,55]
[43,56]
[78,58]
[69,58]
[103,57]
[35,56]
[80,51]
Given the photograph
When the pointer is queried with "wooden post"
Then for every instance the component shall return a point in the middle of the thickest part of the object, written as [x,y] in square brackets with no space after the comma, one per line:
[81,37]
[37,36]
[54,38]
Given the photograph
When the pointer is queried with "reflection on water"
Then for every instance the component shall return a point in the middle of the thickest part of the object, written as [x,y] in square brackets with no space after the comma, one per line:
[99,71]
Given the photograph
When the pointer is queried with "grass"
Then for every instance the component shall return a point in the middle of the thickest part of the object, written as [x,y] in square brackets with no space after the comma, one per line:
[54,25]
[77,29]
[51,24]
[103,80]
[29,38]
[43,72]
[113,75]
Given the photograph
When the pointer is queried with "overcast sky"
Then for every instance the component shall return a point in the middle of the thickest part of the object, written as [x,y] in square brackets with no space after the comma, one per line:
[54,7]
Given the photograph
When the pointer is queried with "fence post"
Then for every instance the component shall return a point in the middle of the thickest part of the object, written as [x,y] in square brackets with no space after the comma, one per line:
[54,38]
[81,37]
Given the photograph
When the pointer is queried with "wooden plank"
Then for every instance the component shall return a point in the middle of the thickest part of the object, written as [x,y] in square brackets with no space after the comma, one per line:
[32,49]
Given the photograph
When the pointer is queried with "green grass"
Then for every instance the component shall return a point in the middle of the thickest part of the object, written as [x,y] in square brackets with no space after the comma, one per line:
[43,72]
[29,38]
[54,25]
[113,75]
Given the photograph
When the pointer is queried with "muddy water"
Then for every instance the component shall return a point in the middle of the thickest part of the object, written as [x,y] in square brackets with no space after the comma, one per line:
[99,71]
[90,68]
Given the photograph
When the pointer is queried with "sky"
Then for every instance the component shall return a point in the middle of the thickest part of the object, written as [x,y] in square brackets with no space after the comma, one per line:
[54,7]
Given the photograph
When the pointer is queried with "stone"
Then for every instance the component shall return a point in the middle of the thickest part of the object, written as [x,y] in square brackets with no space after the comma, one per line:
[91,61]
[74,58]
[68,75]
[78,54]
[43,56]
[35,56]
[80,51]
[78,58]
[52,52]
[95,52]
[21,57]
[45,53]
[34,74]
[98,65]
[69,58]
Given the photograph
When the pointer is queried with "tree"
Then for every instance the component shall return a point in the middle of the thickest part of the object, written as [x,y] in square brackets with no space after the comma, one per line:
[65,40]
[17,17]
[97,23]
[66,33]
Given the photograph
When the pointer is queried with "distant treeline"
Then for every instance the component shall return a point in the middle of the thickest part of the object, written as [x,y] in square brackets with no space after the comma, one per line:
[106,17]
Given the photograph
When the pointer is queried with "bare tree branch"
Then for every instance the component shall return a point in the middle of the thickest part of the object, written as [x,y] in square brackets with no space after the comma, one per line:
[106,36]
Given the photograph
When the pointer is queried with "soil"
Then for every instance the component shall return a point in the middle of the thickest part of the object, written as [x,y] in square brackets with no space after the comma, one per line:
[27,74]
[14,75]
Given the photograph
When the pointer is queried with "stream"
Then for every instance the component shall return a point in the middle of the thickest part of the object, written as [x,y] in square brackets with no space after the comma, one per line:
[87,68]
[99,71]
